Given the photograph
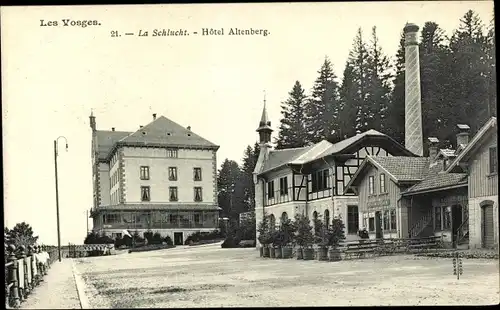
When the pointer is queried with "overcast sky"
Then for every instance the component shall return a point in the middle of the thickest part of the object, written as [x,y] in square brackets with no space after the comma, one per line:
[53,76]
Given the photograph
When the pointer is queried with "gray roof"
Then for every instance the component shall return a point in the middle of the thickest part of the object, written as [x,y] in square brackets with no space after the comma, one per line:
[160,132]
[107,139]
[438,181]
[278,158]
[404,168]
[310,153]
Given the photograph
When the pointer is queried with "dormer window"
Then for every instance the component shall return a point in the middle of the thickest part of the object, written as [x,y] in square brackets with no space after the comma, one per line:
[168,133]
[144,133]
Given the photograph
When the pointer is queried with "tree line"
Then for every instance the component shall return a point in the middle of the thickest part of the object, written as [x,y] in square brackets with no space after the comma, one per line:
[458,86]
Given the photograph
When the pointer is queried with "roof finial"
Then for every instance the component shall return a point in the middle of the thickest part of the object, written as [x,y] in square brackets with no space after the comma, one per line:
[91,112]
[264,97]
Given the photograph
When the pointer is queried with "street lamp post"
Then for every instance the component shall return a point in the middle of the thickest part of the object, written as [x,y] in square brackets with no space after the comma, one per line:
[57,195]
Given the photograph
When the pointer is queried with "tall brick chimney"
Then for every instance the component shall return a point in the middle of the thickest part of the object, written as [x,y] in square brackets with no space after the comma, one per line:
[413,105]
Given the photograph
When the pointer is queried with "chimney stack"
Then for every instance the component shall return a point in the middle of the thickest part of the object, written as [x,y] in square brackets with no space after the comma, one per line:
[189,128]
[433,148]
[141,127]
[92,121]
[413,106]
[154,116]
[462,135]
[112,128]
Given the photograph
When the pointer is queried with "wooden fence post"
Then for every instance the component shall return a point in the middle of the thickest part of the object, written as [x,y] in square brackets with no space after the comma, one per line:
[13,277]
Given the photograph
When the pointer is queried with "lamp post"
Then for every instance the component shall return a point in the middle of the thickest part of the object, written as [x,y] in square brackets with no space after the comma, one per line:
[57,195]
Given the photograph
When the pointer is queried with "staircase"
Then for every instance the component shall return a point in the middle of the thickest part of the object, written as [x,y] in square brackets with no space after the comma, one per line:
[421,224]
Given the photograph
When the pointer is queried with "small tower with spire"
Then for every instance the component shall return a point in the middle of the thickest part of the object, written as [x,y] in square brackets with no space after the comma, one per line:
[92,121]
[264,129]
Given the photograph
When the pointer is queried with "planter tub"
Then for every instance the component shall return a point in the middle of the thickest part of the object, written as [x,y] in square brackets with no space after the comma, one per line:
[322,253]
[308,253]
[334,255]
[261,251]
[300,253]
[277,252]
[272,253]
[286,252]
[265,251]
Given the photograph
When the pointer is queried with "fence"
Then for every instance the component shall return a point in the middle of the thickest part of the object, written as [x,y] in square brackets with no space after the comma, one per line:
[24,270]
[75,250]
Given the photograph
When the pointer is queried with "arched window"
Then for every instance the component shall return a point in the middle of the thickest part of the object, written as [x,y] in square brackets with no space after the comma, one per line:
[284,217]
[327,218]
[272,221]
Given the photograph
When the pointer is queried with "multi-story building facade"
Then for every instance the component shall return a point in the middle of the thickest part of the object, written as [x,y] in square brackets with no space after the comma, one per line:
[162,177]
[312,180]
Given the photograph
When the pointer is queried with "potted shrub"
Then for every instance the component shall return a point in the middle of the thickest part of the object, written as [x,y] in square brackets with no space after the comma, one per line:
[264,236]
[321,238]
[277,243]
[304,237]
[336,235]
[288,231]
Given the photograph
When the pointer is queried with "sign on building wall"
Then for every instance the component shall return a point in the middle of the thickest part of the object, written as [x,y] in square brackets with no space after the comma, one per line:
[378,203]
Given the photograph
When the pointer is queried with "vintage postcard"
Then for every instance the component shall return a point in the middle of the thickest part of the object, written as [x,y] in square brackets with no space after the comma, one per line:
[250,155]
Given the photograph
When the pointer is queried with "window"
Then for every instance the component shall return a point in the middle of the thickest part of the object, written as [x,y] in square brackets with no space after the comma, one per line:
[283,186]
[111,218]
[370,184]
[319,180]
[144,173]
[382,183]
[173,193]
[393,219]
[327,218]
[371,223]
[493,160]
[145,193]
[172,173]
[437,219]
[284,217]
[197,194]
[386,220]
[197,218]
[197,174]
[172,153]
[352,219]
[270,190]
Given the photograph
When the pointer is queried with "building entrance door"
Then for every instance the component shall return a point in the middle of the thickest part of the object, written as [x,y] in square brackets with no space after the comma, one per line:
[487,226]
[456,221]
[178,238]
[378,225]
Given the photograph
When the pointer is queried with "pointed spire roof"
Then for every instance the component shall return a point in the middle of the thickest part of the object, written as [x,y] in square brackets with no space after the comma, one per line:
[265,123]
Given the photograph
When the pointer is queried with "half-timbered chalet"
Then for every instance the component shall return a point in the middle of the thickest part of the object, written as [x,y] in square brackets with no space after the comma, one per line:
[312,179]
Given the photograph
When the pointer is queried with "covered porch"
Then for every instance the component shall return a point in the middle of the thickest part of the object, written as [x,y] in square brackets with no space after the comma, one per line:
[438,213]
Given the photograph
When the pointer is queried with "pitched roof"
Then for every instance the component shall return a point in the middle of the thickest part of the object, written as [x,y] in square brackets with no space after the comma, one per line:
[438,181]
[467,152]
[278,158]
[106,140]
[160,132]
[403,168]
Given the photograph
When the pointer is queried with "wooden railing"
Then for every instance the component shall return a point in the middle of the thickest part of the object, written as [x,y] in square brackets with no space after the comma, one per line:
[24,270]
[421,224]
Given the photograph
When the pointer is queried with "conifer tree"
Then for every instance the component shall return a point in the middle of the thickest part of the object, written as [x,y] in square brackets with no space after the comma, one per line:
[292,130]
[322,109]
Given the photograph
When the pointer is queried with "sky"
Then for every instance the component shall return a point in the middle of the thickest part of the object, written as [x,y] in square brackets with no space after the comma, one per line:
[53,76]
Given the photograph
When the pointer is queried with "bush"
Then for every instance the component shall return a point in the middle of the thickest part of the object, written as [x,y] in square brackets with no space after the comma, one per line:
[168,240]
[148,235]
[156,238]
[230,242]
